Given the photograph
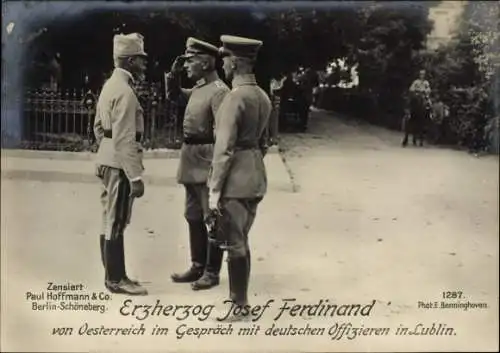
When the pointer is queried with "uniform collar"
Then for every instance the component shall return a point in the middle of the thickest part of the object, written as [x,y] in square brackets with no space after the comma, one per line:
[126,74]
[210,77]
[241,80]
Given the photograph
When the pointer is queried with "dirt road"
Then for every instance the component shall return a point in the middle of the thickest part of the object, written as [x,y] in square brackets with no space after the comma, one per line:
[370,223]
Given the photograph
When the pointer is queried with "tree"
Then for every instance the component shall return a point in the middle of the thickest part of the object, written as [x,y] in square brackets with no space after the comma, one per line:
[310,37]
[483,28]
[463,75]
[390,36]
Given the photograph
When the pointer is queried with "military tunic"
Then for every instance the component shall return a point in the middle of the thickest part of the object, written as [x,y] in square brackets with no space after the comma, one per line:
[204,101]
[421,86]
[238,170]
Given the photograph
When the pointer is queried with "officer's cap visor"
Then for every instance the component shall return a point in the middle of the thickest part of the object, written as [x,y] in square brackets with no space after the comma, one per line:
[223,52]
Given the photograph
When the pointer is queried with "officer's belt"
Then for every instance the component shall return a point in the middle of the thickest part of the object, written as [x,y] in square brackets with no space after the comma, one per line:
[109,134]
[196,140]
[242,146]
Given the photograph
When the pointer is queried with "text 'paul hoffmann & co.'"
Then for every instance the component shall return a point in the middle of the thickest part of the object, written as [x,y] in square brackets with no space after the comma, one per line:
[67,297]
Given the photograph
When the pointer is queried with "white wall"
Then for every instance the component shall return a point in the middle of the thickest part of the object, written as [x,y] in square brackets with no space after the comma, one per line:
[446,17]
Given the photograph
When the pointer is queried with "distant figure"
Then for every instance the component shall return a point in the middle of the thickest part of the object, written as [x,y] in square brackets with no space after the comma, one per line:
[48,71]
[307,81]
[439,116]
[55,72]
[419,104]
[275,89]
[277,85]
[421,87]
[289,100]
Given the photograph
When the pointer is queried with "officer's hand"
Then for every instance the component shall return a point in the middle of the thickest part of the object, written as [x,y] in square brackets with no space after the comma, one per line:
[177,65]
[137,189]
[213,200]
[99,171]
[211,218]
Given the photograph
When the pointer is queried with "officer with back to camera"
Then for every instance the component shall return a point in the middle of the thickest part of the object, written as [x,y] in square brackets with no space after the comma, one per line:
[238,181]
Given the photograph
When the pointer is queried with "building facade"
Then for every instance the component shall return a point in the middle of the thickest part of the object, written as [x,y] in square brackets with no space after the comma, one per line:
[446,17]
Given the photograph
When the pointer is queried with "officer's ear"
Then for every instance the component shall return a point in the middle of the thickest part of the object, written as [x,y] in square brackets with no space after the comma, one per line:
[208,63]
[205,65]
[233,63]
[130,61]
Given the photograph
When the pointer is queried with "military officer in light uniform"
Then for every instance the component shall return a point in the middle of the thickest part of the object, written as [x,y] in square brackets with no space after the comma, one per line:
[118,128]
[422,87]
[204,100]
[238,180]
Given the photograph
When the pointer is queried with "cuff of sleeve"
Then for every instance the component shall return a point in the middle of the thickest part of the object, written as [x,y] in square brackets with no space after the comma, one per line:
[136,179]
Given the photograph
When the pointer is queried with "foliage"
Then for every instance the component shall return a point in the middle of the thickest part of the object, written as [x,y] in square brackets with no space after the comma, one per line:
[386,40]
[483,29]
[312,37]
[463,77]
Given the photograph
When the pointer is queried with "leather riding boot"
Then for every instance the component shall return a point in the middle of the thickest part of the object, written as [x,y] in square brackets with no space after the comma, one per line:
[210,277]
[198,239]
[102,239]
[239,277]
[122,265]
[230,265]
[111,275]
[114,273]
[238,284]
[249,264]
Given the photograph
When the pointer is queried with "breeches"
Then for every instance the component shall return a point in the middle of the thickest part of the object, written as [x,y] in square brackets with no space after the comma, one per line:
[238,216]
[116,202]
[196,207]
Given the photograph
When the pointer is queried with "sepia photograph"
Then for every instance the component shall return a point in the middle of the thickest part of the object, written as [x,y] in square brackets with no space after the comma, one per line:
[250,176]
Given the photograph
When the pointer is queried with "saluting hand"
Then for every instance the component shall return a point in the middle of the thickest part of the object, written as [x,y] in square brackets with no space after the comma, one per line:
[137,189]
[177,65]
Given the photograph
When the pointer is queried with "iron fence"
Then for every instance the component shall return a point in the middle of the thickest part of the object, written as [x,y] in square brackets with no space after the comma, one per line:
[64,120]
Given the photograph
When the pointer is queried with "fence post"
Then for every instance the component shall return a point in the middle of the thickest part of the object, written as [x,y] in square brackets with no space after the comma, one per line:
[154,105]
[90,103]
[28,112]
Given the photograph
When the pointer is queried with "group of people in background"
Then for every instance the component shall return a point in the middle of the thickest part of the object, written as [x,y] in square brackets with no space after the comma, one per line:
[427,117]
[296,96]
[221,160]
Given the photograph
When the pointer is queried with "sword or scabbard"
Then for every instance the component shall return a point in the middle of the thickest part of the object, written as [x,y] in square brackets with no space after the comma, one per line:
[130,204]
[216,232]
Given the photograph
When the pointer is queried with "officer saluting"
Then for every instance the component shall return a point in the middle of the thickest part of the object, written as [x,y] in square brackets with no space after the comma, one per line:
[204,100]
[118,128]
[238,181]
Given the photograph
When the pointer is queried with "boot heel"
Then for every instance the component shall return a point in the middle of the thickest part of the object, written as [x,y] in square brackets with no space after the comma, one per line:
[102,240]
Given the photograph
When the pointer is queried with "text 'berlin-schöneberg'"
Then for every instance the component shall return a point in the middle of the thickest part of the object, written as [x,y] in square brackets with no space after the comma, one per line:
[287,307]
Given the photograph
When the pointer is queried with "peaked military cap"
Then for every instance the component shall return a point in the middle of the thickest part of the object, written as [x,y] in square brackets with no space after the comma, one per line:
[196,47]
[239,46]
[128,45]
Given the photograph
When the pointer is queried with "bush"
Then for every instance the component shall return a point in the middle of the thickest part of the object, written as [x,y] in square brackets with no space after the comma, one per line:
[457,80]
